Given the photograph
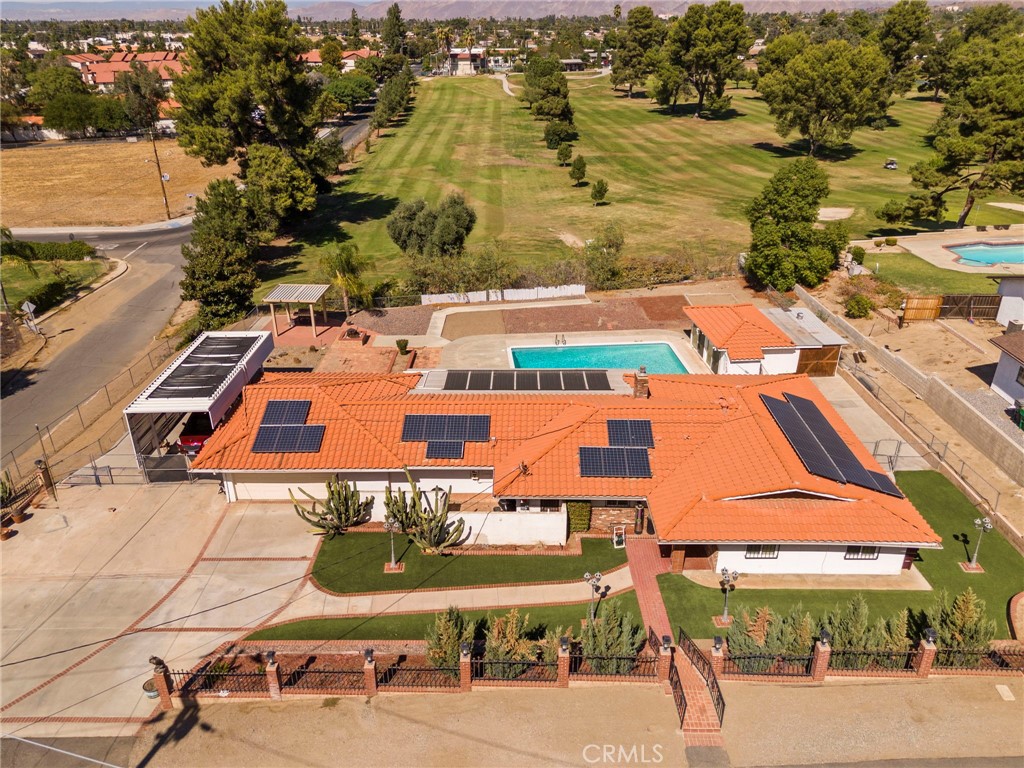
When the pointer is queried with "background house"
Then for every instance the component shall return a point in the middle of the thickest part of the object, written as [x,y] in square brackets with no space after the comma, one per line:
[1008,380]
[1011,306]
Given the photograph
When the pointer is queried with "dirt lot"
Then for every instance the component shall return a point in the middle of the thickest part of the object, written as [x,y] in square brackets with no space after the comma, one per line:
[102,183]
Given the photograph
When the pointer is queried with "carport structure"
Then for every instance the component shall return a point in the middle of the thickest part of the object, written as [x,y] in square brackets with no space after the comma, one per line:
[297,294]
[207,377]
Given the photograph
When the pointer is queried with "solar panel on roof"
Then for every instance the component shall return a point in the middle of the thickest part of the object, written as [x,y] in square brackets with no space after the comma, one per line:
[456,380]
[480,380]
[526,381]
[574,380]
[445,449]
[834,445]
[504,380]
[885,485]
[597,381]
[436,428]
[266,436]
[286,412]
[551,381]
[479,429]
[630,432]
[413,428]
[310,438]
[614,462]
[456,427]
[813,456]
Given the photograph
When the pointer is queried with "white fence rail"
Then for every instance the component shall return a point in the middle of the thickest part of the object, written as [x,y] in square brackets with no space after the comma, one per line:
[508,294]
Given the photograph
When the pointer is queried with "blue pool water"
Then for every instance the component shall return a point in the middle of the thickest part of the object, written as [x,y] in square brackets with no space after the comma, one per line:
[987,254]
[659,358]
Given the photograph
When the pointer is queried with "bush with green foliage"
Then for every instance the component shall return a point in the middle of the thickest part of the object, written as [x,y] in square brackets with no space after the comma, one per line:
[507,642]
[890,241]
[445,638]
[564,154]
[859,305]
[558,132]
[614,635]
[74,250]
[858,254]
[599,191]
[403,346]
[879,243]
[579,516]
[578,170]
[961,624]
[49,294]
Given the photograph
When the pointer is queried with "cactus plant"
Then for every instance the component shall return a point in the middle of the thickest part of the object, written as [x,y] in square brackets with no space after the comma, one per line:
[427,524]
[342,509]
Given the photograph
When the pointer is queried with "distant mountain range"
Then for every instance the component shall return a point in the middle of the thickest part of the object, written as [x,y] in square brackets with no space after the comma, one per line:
[151,10]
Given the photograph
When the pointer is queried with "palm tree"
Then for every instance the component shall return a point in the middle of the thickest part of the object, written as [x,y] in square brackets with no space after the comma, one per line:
[444,38]
[14,252]
[467,40]
[343,265]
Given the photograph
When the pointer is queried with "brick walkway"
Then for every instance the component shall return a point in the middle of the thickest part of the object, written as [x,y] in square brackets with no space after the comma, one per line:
[701,727]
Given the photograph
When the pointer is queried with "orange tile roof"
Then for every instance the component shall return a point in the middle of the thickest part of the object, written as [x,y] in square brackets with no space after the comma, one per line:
[741,329]
[722,470]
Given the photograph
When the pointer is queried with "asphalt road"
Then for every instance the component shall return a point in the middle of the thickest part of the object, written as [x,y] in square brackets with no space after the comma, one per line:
[93,340]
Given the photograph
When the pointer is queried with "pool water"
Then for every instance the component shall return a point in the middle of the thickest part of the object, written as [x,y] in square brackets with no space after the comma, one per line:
[659,358]
[987,254]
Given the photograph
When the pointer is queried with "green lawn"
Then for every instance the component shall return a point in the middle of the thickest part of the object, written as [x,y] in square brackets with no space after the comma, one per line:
[355,563]
[948,512]
[413,626]
[19,282]
[918,276]
[672,179]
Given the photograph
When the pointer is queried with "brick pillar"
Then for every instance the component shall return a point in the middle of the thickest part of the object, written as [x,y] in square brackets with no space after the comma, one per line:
[370,677]
[718,659]
[162,680]
[45,478]
[465,670]
[924,658]
[664,662]
[274,680]
[563,667]
[819,661]
[677,558]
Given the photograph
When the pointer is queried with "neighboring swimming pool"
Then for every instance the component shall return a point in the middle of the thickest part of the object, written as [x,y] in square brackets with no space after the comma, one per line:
[987,254]
[658,357]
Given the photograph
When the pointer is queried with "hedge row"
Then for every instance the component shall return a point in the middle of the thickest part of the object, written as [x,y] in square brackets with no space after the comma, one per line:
[74,250]
[579,516]
[48,295]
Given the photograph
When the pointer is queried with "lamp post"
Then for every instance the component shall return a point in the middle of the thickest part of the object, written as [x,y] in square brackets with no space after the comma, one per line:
[391,525]
[594,580]
[983,525]
[729,579]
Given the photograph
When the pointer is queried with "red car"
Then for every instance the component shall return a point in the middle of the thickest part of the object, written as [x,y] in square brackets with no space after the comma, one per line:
[195,433]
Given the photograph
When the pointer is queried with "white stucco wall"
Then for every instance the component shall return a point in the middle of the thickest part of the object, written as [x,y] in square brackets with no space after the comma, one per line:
[780,360]
[1012,305]
[515,527]
[750,367]
[1004,382]
[824,559]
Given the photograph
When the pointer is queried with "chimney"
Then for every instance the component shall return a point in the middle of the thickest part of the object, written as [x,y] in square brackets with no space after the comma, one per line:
[641,388]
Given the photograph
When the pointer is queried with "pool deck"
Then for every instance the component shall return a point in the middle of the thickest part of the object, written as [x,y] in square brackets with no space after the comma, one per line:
[933,247]
[493,351]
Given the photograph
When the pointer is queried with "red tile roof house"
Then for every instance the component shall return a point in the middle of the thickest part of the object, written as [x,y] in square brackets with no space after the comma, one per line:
[722,482]
[740,338]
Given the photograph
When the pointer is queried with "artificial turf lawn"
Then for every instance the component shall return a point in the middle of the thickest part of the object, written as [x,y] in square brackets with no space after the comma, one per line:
[674,181]
[355,563]
[413,626]
[948,512]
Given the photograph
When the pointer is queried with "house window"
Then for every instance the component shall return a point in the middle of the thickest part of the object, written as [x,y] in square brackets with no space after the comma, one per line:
[762,551]
[861,553]
[550,505]
[1020,375]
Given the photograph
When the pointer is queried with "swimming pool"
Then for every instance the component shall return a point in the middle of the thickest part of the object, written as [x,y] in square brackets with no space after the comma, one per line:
[987,254]
[658,357]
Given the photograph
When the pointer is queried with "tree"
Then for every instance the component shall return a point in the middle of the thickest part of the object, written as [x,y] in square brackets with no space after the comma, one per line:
[904,28]
[600,256]
[332,53]
[559,132]
[936,65]
[546,90]
[108,115]
[392,33]
[611,642]
[564,153]
[351,89]
[977,138]
[578,170]
[141,92]
[343,266]
[492,268]
[778,53]
[507,642]
[69,113]
[419,230]
[706,44]
[243,83]
[446,636]
[354,34]
[444,37]
[961,624]
[826,91]
[599,191]
[667,84]
[276,187]
[55,81]
[993,22]
[785,246]
[637,54]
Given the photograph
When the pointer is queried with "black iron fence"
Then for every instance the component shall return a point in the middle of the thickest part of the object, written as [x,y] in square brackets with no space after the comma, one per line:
[873,661]
[771,664]
[583,667]
[990,659]
[677,693]
[521,671]
[703,665]
[398,676]
[653,641]
[212,680]
[19,496]
[302,679]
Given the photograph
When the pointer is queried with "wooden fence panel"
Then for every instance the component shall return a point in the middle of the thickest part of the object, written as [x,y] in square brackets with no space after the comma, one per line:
[922,308]
[967,306]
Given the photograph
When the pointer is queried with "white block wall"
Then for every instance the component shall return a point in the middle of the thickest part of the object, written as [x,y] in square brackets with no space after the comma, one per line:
[811,559]
[780,360]
[1004,382]
[533,527]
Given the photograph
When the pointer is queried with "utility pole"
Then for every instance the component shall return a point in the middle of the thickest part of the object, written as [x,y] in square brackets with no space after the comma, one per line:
[160,173]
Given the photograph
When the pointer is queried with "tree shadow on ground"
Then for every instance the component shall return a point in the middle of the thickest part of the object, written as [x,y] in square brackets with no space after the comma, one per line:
[911,228]
[779,150]
[277,261]
[342,206]
[16,380]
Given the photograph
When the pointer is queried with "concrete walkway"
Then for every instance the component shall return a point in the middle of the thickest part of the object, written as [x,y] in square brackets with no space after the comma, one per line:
[909,580]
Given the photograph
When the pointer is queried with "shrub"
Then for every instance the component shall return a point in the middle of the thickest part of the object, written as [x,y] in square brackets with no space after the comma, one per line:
[879,243]
[613,634]
[507,641]
[403,346]
[564,154]
[446,636]
[559,132]
[859,305]
[74,250]
[858,254]
[48,295]
[961,624]
[579,516]
[890,241]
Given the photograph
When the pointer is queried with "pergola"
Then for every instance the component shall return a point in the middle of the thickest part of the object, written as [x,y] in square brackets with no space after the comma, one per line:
[297,294]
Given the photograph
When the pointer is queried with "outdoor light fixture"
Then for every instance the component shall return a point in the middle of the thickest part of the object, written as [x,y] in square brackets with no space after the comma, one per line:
[464,648]
[271,655]
[718,642]
[984,525]
[666,642]
[368,655]
[391,525]
[728,584]
[826,637]
[564,643]
[594,580]
[930,635]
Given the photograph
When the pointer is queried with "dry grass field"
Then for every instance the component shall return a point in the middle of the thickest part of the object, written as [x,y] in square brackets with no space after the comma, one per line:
[97,183]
